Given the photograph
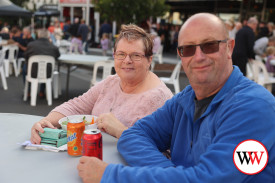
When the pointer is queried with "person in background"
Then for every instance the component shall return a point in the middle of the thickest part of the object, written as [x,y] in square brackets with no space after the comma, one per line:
[262,30]
[238,26]
[4,34]
[66,29]
[230,28]
[83,30]
[76,40]
[270,26]
[104,43]
[157,42]
[270,53]
[261,45]
[57,33]
[243,50]
[41,46]
[16,34]
[1,24]
[51,27]
[105,28]
[202,125]
[74,27]
[22,43]
[134,87]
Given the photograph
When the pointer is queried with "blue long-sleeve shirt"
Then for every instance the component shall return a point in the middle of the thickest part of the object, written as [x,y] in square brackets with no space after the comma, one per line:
[201,150]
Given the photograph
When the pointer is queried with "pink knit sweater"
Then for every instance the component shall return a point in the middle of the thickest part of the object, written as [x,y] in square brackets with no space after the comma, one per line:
[107,96]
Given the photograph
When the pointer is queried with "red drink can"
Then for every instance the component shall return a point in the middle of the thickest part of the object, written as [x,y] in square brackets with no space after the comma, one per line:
[92,143]
[75,131]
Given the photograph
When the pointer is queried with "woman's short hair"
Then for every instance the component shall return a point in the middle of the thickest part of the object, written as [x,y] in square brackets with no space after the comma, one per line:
[132,32]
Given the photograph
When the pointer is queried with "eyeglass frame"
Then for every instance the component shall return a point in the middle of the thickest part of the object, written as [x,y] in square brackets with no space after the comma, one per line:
[130,55]
[201,47]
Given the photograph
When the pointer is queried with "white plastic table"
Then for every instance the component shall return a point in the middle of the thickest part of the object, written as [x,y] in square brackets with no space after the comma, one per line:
[76,59]
[20,165]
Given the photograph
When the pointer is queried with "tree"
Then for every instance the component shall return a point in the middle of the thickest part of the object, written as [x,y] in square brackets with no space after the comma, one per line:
[19,2]
[125,11]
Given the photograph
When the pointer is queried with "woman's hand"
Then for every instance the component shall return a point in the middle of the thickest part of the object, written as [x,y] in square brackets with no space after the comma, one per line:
[38,127]
[110,124]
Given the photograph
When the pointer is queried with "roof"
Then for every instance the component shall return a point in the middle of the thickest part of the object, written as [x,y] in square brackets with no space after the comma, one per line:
[48,10]
[7,8]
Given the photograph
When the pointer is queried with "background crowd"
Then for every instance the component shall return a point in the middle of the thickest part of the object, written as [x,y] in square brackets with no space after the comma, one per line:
[254,39]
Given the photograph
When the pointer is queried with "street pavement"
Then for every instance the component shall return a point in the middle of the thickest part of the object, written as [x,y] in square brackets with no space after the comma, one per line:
[11,100]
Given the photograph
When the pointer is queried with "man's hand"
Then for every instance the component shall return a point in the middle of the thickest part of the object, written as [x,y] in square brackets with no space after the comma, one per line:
[91,169]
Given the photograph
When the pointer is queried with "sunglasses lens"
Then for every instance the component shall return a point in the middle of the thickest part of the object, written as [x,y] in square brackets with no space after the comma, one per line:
[187,51]
[210,47]
[207,48]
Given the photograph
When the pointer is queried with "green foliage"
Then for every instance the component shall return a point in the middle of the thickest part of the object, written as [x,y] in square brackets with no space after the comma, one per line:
[130,11]
[19,2]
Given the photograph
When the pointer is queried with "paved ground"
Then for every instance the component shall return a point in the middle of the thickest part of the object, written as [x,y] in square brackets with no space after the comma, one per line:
[11,100]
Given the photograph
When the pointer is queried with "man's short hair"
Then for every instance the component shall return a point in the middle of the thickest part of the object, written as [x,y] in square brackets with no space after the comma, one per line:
[252,20]
[42,33]
[27,28]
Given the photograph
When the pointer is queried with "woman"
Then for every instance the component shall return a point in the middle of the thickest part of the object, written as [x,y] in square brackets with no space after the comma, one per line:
[119,100]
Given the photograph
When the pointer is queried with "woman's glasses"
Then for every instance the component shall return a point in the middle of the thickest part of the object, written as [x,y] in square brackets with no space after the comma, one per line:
[207,48]
[133,56]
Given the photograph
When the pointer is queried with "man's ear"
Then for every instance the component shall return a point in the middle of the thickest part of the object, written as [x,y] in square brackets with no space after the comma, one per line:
[230,45]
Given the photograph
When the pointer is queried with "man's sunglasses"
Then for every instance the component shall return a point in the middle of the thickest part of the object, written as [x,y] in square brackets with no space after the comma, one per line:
[207,48]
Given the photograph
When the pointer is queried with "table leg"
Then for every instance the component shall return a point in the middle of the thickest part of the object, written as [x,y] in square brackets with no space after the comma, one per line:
[68,80]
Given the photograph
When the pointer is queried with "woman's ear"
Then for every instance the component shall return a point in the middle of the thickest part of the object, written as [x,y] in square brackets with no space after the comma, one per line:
[150,59]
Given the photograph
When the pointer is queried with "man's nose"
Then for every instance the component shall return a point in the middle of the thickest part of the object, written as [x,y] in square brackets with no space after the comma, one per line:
[199,54]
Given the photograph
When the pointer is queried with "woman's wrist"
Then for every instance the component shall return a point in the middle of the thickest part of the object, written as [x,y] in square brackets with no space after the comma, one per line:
[121,131]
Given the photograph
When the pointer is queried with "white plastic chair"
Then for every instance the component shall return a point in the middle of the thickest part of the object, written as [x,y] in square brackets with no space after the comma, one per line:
[42,61]
[153,63]
[64,46]
[261,75]
[20,60]
[83,48]
[107,70]
[174,78]
[56,85]
[249,71]
[158,55]
[2,73]
[12,57]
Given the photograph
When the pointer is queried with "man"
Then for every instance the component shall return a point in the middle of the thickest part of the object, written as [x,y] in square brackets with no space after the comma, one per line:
[262,30]
[24,41]
[83,30]
[105,28]
[74,27]
[202,125]
[245,39]
[41,46]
